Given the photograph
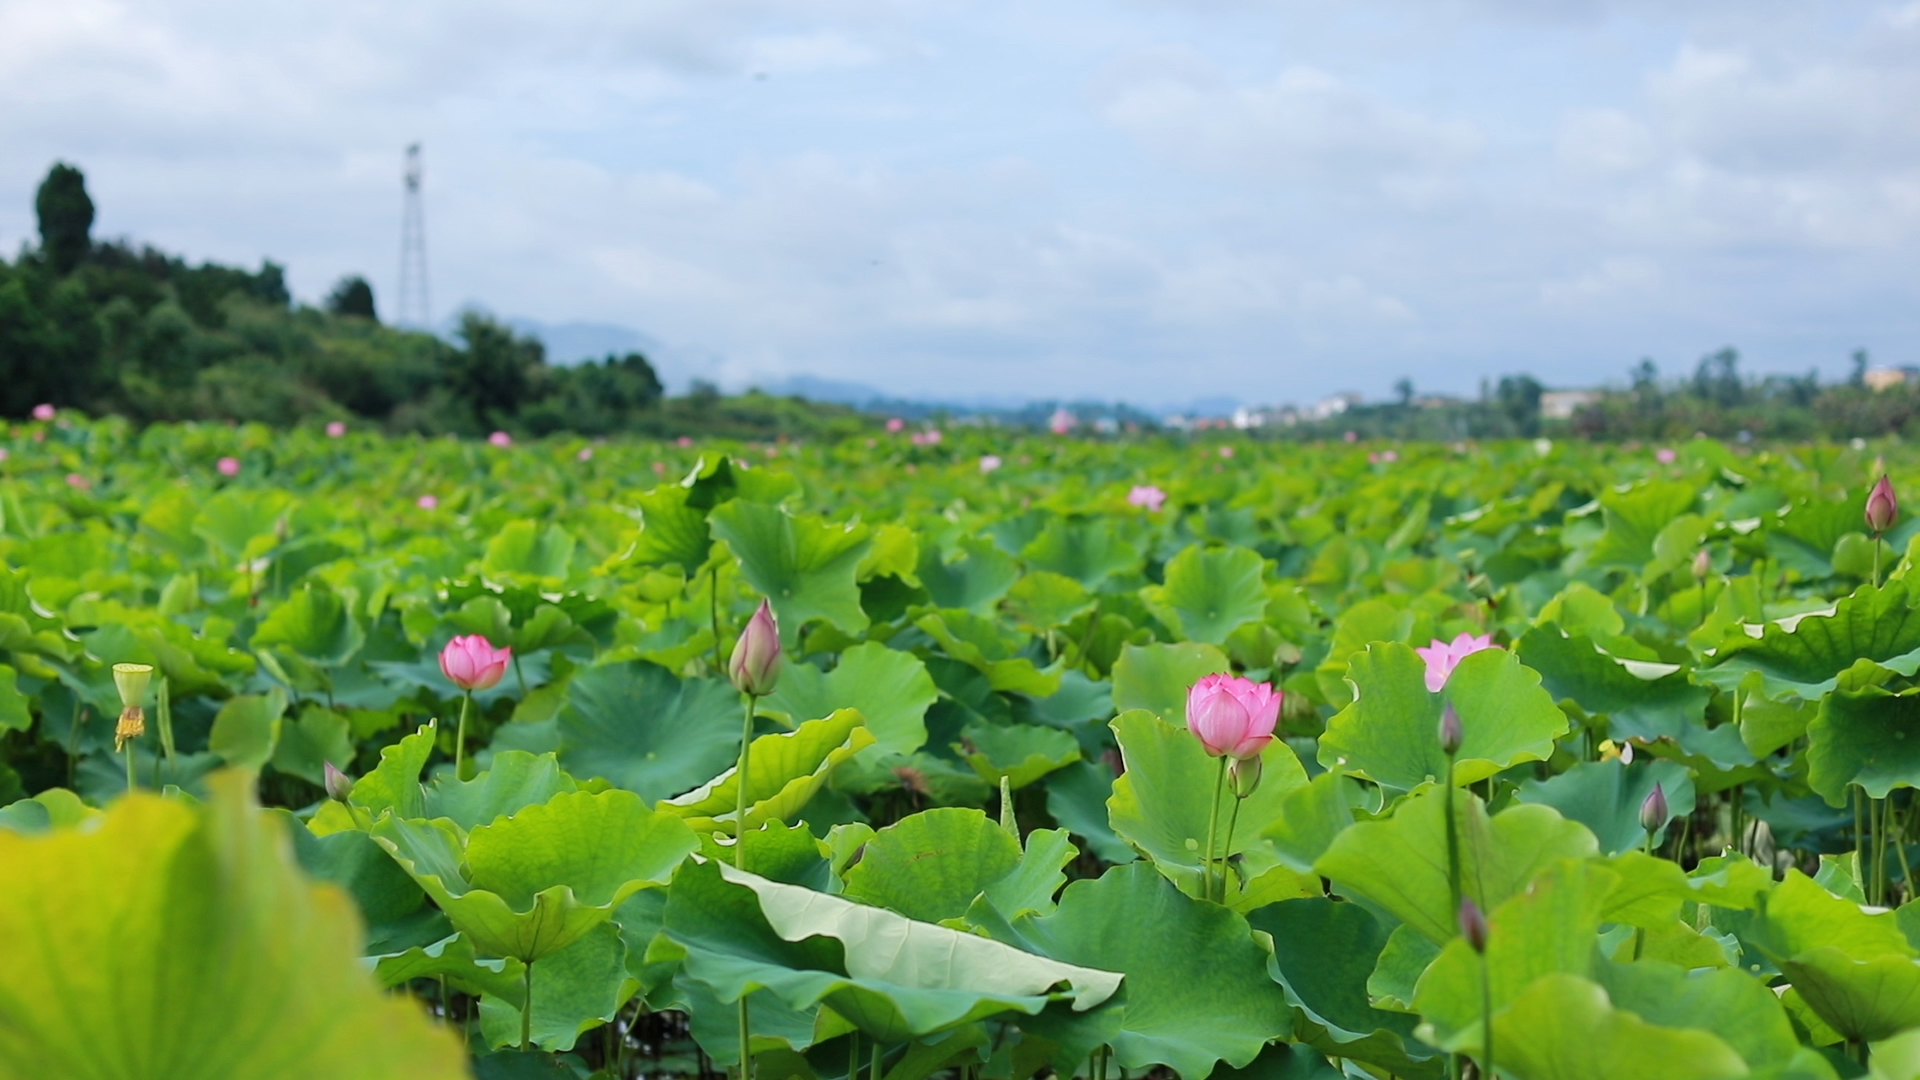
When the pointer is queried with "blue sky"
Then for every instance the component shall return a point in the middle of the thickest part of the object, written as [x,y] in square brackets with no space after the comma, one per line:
[1156,201]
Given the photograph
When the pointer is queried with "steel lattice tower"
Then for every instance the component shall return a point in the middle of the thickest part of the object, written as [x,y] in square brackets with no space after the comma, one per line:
[413,307]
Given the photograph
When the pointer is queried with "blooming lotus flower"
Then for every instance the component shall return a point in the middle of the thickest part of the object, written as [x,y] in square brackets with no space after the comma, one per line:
[660,468]
[1226,451]
[336,429]
[43,412]
[1061,422]
[472,663]
[989,462]
[1232,716]
[427,502]
[585,454]
[895,425]
[78,482]
[754,667]
[1351,436]
[1390,456]
[228,466]
[683,441]
[1665,456]
[1147,496]
[1882,508]
[500,439]
[1443,656]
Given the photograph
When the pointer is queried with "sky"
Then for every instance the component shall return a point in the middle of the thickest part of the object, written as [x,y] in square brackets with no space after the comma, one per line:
[1149,200]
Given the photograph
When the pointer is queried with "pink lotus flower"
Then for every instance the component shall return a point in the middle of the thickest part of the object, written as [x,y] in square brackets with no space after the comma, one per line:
[500,439]
[336,429]
[472,663]
[1226,451]
[895,425]
[1352,436]
[3,453]
[1231,716]
[585,454]
[43,412]
[427,502]
[754,667]
[1061,422]
[1882,508]
[1147,497]
[1665,456]
[660,468]
[989,462]
[1390,456]
[683,441]
[1442,656]
[78,482]
[228,466]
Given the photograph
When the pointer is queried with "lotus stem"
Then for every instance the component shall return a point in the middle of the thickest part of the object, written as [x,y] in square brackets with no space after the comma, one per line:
[130,779]
[874,1072]
[460,738]
[526,1007]
[1899,831]
[1859,835]
[853,1054]
[1486,1019]
[1876,560]
[1453,841]
[740,859]
[713,606]
[1213,825]
[1226,851]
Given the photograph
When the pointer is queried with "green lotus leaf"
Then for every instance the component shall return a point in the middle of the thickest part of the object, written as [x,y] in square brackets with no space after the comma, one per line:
[393,908]
[1197,989]
[1042,601]
[974,581]
[212,953]
[889,687]
[1323,954]
[528,552]
[394,784]
[574,991]
[785,770]
[1731,1004]
[1639,699]
[1634,519]
[532,884]
[930,866]
[1805,537]
[1034,883]
[1580,609]
[1089,552]
[1867,737]
[1388,735]
[1803,656]
[1163,803]
[645,730]
[1019,753]
[894,978]
[672,532]
[247,728]
[1405,957]
[978,642]
[1311,817]
[513,781]
[14,714]
[1897,1058]
[804,565]
[241,523]
[1077,799]
[1210,592]
[715,1024]
[1563,1027]
[1864,1000]
[312,740]
[1605,796]
[1156,677]
[315,625]
[454,958]
[1400,864]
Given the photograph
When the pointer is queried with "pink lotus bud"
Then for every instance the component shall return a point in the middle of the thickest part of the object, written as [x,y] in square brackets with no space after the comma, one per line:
[338,784]
[585,454]
[989,462]
[500,439]
[1226,451]
[755,665]
[1147,497]
[427,502]
[895,425]
[1442,656]
[1654,812]
[683,441]
[1451,733]
[1061,422]
[1882,508]
[1352,436]
[1665,456]
[43,412]
[1473,924]
[1702,564]
[1243,776]
[78,482]
[336,429]
[660,468]
[1232,716]
[472,663]
[228,466]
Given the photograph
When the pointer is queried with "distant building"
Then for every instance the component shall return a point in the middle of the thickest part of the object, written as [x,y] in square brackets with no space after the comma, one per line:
[1333,406]
[1883,378]
[1562,404]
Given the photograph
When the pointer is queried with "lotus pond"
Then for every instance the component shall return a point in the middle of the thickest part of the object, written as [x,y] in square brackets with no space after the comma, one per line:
[1553,760]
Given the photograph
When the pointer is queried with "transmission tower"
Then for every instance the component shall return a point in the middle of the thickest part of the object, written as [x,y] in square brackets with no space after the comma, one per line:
[413,308]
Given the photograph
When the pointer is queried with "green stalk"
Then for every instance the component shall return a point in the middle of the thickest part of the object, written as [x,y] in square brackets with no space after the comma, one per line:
[713,595]
[130,781]
[1876,560]
[1453,842]
[1900,847]
[1486,1020]
[1226,852]
[740,862]
[460,737]
[1859,836]
[874,1072]
[526,1008]
[853,1054]
[1213,824]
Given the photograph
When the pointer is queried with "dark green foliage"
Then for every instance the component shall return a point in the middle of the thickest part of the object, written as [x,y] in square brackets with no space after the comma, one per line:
[66,217]
[352,296]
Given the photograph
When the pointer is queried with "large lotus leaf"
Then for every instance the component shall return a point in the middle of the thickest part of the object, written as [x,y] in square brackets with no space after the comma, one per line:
[175,942]
[647,731]
[804,565]
[1731,1004]
[453,958]
[1605,796]
[1861,999]
[894,978]
[315,625]
[1582,609]
[1087,551]
[1077,799]
[1197,988]
[974,581]
[247,728]
[1641,699]
[1803,656]
[394,784]
[1034,883]
[1323,954]
[574,990]
[671,531]
[527,552]
[1390,733]
[532,884]
[1897,1058]
[1156,677]
[241,523]
[393,908]
[1563,1027]
[1017,753]
[514,780]
[1310,817]
[891,689]
[14,714]
[1163,802]
[1400,864]
[1634,519]
[1868,737]
[930,866]
[1042,601]
[715,1024]
[310,742]
[1798,915]
[978,642]
[784,771]
[1210,592]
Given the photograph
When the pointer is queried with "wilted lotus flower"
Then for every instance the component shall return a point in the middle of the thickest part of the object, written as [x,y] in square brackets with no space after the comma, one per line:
[336,429]
[472,663]
[1442,657]
[1882,508]
[228,466]
[1232,716]
[1147,497]
[1665,456]
[755,665]
[43,412]
[427,502]
[989,462]
[1654,812]
[500,439]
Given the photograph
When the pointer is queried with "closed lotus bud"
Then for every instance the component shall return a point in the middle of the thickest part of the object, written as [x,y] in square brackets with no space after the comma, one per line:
[1882,508]
[338,783]
[1654,811]
[1473,924]
[131,680]
[755,666]
[1243,775]
[1450,733]
[1702,562]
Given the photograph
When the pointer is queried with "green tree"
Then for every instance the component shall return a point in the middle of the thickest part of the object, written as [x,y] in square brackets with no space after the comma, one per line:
[66,217]
[352,296]
[494,372]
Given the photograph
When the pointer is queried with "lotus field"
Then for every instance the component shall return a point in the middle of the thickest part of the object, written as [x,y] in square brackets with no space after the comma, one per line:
[961,754]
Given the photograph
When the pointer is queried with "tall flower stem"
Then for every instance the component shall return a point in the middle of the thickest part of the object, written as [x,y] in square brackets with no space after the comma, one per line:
[740,862]
[1453,841]
[460,738]
[526,1007]
[713,606]
[1213,825]
[1486,1020]
[130,780]
[1226,851]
